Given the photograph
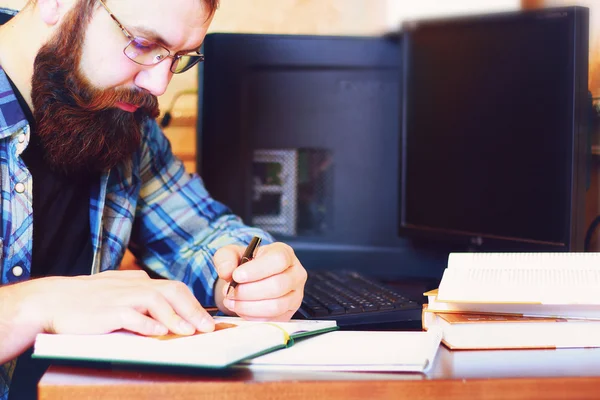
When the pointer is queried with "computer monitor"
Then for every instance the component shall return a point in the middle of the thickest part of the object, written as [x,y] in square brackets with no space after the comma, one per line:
[495,130]
[299,135]
[383,154]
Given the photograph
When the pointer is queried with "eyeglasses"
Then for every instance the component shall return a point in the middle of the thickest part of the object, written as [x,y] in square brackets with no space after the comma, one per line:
[146,52]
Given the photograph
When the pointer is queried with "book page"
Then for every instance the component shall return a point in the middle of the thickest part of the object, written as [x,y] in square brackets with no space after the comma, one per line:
[355,351]
[514,284]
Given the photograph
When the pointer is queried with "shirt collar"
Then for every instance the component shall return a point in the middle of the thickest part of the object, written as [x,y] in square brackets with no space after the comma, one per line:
[12,117]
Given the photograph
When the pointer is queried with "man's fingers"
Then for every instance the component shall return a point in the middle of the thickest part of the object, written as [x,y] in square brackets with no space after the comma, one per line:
[119,300]
[272,287]
[108,319]
[273,258]
[265,309]
[169,302]
[227,259]
[134,321]
[153,303]
[183,302]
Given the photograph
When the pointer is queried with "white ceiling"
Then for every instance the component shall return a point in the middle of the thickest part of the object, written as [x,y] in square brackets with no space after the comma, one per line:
[401,10]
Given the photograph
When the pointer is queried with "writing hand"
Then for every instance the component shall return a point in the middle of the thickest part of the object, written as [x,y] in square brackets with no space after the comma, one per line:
[270,287]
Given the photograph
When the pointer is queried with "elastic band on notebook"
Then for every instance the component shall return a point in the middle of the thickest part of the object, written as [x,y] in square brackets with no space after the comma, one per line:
[286,335]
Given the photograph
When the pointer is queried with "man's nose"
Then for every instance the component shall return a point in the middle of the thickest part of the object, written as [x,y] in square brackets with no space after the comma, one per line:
[156,78]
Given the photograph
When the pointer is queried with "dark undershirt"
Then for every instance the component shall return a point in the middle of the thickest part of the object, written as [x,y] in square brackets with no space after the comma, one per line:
[62,244]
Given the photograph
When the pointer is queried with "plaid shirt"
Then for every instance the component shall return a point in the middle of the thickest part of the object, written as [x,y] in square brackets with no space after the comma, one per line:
[149,203]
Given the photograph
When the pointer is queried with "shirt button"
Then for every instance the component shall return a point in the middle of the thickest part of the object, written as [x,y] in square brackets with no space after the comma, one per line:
[19,187]
[17,271]
[21,138]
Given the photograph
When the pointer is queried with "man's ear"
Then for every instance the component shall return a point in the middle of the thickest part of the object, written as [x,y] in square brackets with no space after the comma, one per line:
[51,11]
[48,11]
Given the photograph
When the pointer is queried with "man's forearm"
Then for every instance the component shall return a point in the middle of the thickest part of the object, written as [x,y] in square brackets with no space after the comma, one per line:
[17,329]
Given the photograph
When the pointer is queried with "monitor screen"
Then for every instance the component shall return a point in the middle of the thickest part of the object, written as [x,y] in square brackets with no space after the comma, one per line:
[494,130]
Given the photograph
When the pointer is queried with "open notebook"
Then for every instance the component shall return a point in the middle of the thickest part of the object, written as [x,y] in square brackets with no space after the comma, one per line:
[233,340]
[355,351]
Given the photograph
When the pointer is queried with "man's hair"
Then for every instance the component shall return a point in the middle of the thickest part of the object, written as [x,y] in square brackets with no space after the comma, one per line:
[212,5]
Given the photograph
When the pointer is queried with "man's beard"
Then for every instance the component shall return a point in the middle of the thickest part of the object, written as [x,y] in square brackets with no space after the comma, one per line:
[78,125]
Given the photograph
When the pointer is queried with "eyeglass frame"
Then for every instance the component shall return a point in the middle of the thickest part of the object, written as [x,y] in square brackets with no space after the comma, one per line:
[176,57]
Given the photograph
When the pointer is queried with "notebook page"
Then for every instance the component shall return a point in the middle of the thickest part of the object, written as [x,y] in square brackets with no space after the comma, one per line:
[197,350]
[545,285]
[356,351]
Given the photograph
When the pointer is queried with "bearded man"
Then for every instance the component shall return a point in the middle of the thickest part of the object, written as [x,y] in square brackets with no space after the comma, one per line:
[86,172]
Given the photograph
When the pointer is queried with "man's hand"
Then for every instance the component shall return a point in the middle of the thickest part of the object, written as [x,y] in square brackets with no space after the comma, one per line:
[270,287]
[98,303]
[119,300]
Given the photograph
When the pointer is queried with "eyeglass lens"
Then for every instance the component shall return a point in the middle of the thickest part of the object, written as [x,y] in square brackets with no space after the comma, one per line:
[146,52]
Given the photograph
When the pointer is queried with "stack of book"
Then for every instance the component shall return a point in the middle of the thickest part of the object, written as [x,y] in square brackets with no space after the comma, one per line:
[517,300]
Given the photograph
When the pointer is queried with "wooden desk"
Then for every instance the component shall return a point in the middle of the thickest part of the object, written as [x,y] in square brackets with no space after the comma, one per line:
[527,374]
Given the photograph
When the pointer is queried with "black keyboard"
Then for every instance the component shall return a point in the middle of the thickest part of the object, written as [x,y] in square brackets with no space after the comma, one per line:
[354,300]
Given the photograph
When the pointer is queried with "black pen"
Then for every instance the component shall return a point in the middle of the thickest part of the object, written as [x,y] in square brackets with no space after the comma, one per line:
[248,255]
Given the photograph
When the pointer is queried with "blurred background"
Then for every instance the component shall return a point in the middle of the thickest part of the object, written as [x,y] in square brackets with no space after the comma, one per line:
[328,17]
[313,17]
[333,17]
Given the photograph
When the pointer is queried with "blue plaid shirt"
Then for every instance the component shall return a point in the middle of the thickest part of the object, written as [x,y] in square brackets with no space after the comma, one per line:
[149,203]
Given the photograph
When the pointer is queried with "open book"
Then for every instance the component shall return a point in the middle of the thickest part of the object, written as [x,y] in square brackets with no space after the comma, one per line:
[233,340]
[536,284]
[382,351]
